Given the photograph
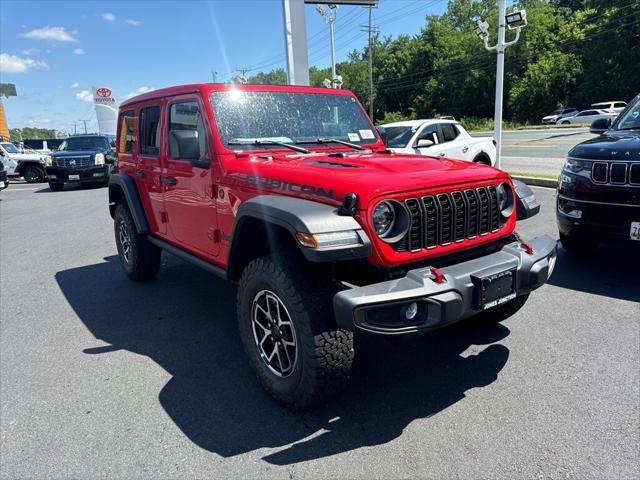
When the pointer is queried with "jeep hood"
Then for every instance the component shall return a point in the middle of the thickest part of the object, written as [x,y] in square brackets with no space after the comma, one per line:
[369,175]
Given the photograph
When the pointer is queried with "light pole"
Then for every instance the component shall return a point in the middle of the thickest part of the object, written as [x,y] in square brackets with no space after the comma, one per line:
[330,17]
[515,20]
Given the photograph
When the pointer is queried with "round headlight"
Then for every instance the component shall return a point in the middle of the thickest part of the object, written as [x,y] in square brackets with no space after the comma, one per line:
[383,218]
[505,199]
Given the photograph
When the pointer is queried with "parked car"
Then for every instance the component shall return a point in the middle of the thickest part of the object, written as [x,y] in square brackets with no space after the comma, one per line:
[598,197]
[439,138]
[24,162]
[87,159]
[558,114]
[291,193]
[586,116]
[4,180]
[45,146]
[610,107]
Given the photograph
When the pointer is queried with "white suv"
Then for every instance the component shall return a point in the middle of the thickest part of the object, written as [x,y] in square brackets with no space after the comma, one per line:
[610,107]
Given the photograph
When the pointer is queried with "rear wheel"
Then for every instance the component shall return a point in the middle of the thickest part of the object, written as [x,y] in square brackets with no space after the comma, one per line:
[577,246]
[33,174]
[139,258]
[56,187]
[288,331]
[565,122]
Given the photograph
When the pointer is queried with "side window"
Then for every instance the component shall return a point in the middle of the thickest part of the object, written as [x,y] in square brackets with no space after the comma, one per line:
[429,132]
[449,132]
[619,105]
[187,137]
[149,131]
[126,132]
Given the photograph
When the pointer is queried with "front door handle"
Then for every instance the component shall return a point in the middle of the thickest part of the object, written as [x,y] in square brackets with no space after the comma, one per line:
[441,155]
[168,180]
[141,174]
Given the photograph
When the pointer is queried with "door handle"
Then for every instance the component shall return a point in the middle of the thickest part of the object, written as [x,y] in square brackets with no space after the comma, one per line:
[465,149]
[168,180]
[141,174]
[441,155]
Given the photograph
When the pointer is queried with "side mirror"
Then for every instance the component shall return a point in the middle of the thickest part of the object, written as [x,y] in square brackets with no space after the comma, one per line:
[526,203]
[600,125]
[383,134]
[424,142]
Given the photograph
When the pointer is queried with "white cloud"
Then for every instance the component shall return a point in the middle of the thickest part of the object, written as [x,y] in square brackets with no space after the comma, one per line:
[109,17]
[74,85]
[139,91]
[85,96]
[13,64]
[78,51]
[56,34]
[132,22]
[29,51]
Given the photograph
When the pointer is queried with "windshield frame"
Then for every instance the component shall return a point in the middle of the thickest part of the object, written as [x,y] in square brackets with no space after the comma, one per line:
[6,144]
[306,140]
[101,138]
[633,106]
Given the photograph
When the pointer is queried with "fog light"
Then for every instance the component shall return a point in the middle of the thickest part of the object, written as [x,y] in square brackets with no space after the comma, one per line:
[411,311]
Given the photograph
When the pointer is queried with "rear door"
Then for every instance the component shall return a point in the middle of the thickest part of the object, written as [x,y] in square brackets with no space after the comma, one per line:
[148,171]
[188,180]
[453,143]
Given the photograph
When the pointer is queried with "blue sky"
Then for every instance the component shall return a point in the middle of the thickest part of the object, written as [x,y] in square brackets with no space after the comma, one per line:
[54,51]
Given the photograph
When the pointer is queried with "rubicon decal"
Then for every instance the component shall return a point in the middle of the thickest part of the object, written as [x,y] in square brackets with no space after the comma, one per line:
[276,184]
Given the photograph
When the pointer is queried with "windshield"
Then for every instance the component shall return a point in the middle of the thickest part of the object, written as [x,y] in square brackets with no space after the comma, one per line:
[399,137]
[630,119]
[84,143]
[10,148]
[558,112]
[288,117]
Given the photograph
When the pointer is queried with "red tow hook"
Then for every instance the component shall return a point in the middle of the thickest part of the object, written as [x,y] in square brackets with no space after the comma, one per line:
[527,247]
[438,276]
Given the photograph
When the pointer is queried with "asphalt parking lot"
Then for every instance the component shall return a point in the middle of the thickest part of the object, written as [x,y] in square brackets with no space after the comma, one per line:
[101,377]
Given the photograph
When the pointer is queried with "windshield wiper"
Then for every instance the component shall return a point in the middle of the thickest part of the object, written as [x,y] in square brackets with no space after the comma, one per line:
[320,141]
[268,142]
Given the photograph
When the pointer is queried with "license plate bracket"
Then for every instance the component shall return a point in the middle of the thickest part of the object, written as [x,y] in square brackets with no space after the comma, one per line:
[495,289]
[634,233]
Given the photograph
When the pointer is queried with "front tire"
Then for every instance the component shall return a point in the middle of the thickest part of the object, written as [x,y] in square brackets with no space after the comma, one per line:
[139,258]
[287,327]
[33,174]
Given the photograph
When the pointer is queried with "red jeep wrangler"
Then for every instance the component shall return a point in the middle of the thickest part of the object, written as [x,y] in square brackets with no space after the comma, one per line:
[291,193]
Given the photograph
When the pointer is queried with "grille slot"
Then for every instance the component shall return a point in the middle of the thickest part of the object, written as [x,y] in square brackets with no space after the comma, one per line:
[599,172]
[634,174]
[618,173]
[415,224]
[450,217]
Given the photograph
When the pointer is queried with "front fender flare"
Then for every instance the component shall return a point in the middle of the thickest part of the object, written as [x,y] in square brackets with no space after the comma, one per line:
[297,215]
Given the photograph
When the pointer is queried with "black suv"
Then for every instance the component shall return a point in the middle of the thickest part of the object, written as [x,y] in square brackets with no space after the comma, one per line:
[87,159]
[599,186]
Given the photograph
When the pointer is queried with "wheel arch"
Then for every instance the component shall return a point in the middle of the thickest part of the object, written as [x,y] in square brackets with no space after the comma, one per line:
[122,189]
[269,224]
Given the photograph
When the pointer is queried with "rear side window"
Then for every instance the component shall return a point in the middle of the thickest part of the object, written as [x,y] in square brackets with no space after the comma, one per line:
[187,138]
[449,132]
[126,132]
[619,105]
[149,131]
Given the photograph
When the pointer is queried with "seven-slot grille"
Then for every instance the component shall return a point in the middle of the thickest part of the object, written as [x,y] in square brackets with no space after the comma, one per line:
[450,217]
[616,173]
[73,162]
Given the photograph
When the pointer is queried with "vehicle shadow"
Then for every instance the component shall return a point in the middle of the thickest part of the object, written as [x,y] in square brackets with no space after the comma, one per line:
[185,321]
[611,272]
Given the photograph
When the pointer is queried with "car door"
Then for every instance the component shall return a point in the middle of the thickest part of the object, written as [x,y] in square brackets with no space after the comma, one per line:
[453,144]
[188,178]
[148,169]
[427,132]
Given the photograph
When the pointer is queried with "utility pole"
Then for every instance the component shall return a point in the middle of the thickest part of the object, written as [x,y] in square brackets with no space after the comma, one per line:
[516,20]
[243,72]
[214,74]
[371,30]
[85,125]
[336,82]
[75,130]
